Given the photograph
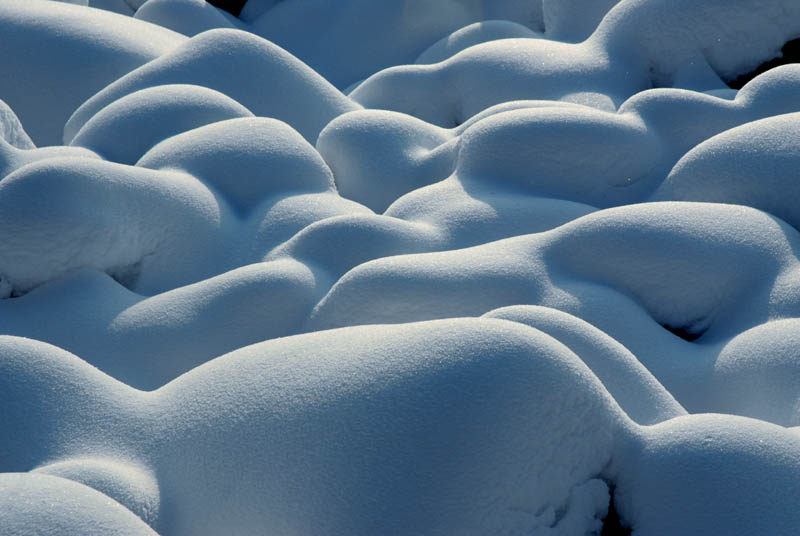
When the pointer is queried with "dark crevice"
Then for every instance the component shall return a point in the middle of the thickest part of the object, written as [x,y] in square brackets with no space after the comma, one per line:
[6,289]
[234,7]
[612,525]
[688,333]
[790,53]
[127,276]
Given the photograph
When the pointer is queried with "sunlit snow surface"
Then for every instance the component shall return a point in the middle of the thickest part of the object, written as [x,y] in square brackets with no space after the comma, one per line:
[413,267]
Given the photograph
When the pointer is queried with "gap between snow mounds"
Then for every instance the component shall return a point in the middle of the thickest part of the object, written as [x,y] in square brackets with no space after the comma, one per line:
[612,524]
[234,7]
[790,53]
[188,17]
[425,415]
[690,331]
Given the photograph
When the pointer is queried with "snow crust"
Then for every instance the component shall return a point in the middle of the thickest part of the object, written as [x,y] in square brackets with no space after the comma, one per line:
[462,267]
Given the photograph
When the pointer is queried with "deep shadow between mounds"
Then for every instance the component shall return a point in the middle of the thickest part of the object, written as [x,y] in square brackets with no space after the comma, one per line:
[790,53]
[612,526]
[234,7]
[687,333]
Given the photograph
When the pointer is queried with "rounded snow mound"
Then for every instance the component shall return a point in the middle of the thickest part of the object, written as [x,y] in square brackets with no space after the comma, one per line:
[61,506]
[128,127]
[461,267]
[259,75]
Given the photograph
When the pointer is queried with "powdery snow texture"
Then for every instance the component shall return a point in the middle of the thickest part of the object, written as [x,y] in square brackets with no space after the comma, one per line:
[453,267]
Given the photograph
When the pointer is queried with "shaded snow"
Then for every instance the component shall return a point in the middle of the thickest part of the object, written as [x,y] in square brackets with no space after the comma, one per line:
[396,268]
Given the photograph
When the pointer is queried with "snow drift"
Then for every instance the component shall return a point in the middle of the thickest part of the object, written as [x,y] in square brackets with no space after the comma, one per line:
[398,268]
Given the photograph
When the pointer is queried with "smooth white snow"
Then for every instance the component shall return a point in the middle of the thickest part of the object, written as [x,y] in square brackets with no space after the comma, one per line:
[356,267]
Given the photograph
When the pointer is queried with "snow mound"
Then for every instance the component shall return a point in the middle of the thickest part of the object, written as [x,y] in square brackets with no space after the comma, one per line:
[152,115]
[455,267]
[473,34]
[240,65]
[86,50]
[637,392]
[753,164]
[637,45]
[234,157]
[11,130]
[147,228]
[133,487]
[749,467]
[444,408]
[496,72]
[331,40]
[61,506]
[378,156]
[636,242]
[581,154]
[13,158]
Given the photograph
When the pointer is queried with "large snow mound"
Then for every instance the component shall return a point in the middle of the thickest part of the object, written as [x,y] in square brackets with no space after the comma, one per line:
[355,267]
